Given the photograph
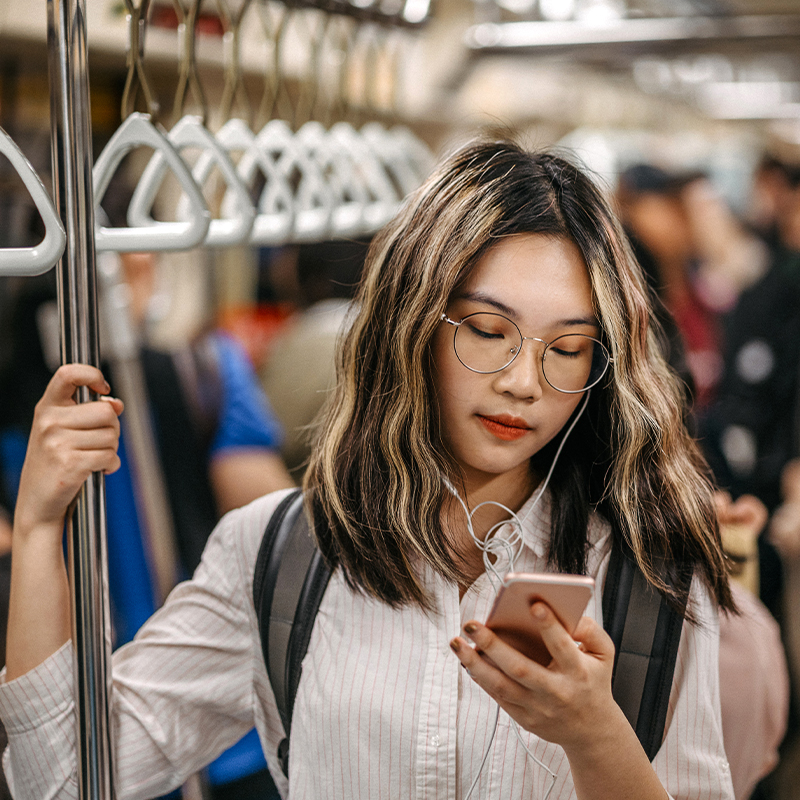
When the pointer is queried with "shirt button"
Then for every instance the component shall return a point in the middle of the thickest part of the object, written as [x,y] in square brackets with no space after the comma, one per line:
[436,740]
[724,766]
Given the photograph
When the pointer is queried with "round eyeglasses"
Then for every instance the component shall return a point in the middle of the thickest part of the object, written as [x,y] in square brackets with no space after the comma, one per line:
[487,342]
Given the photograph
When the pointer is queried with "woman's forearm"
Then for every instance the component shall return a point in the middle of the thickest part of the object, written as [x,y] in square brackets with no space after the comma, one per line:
[39,603]
[68,442]
[613,766]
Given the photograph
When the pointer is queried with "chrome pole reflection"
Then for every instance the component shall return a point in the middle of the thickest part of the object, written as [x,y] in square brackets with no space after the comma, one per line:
[77,300]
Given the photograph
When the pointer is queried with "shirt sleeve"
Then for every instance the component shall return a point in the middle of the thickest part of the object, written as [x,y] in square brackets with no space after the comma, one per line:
[691,762]
[246,419]
[183,691]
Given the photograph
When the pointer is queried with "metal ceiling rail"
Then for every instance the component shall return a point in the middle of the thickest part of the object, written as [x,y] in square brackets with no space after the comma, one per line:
[641,35]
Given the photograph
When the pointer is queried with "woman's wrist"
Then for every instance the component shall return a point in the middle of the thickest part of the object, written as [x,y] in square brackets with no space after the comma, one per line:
[597,736]
[40,534]
[609,762]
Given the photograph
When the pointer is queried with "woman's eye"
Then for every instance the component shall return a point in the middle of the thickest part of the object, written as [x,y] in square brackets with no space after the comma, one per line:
[484,334]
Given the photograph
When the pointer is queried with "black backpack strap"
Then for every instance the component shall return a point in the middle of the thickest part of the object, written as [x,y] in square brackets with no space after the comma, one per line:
[289,582]
[646,632]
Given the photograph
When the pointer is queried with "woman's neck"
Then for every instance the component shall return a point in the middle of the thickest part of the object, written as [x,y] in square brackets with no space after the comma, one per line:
[501,492]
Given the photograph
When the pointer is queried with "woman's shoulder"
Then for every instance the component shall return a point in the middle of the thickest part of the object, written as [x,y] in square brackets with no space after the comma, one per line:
[239,532]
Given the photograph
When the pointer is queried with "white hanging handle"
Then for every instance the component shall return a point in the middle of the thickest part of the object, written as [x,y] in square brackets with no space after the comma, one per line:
[189,131]
[384,198]
[275,215]
[395,158]
[313,200]
[420,157]
[138,131]
[350,196]
[38,259]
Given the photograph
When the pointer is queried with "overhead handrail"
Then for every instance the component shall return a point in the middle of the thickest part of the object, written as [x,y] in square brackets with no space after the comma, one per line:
[405,158]
[138,131]
[275,102]
[312,198]
[234,89]
[41,257]
[349,194]
[234,225]
[382,197]
[189,132]
[335,161]
[136,79]
[274,220]
[188,79]
[419,155]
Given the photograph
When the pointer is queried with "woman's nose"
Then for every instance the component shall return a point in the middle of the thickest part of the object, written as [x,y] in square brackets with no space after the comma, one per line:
[523,377]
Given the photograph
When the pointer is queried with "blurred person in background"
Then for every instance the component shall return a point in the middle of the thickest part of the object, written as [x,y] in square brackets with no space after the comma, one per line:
[299,371]
[218,444]
[217,447]
[751,434]
[657,222]
[699,259]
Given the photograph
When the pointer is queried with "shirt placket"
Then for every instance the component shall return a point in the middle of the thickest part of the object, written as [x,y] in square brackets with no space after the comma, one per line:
[436,736]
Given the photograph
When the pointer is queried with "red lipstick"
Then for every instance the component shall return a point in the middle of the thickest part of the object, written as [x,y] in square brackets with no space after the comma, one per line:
[505,427]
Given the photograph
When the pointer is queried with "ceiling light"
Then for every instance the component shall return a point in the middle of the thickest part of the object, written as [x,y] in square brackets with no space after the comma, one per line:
[557,10]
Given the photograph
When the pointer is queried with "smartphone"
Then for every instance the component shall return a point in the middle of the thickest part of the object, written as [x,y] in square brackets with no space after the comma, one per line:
[511,619]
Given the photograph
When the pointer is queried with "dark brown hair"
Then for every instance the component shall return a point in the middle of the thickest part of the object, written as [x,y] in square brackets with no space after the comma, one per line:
[375,476]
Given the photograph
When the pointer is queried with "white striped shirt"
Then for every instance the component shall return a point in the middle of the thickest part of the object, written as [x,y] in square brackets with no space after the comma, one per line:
[384,709]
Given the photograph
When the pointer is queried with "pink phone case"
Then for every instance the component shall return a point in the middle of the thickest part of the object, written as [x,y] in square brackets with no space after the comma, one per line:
[510,617]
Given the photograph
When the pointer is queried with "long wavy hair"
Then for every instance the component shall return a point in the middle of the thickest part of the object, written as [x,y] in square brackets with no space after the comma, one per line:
[374,481]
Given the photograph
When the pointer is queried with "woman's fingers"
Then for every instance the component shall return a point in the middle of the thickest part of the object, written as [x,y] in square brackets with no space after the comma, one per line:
[67,378]
[496,682]
[594,640]
[102,413]
[68,442]
[562,647]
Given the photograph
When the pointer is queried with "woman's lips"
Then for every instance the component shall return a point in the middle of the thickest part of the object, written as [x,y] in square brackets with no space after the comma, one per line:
[505,427]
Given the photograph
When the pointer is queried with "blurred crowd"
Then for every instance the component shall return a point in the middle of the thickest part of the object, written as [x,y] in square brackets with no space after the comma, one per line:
[224,422]
[729,289]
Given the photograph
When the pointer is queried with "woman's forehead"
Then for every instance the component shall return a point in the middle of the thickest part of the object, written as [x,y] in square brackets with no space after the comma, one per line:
[531,274]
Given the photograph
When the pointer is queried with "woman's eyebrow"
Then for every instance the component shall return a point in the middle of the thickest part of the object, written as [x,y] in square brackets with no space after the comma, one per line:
[481,297]
[486,299]
[565,323]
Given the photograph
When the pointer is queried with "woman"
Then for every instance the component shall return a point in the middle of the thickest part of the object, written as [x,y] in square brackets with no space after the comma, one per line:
[431,417]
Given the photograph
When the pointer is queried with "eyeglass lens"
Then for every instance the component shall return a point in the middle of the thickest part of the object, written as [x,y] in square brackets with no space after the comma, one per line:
[486,342]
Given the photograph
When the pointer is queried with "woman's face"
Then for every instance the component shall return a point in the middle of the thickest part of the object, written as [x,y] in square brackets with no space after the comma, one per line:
[493,423]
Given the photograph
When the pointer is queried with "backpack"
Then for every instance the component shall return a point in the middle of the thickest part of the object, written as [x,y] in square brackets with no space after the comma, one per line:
[291,576]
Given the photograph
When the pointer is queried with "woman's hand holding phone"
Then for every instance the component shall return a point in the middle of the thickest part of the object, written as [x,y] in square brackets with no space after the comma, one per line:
[568,702]
[565,701]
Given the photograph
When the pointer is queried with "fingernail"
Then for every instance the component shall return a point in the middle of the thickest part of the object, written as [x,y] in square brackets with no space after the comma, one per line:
[539,611]
[470,628]
[455,645]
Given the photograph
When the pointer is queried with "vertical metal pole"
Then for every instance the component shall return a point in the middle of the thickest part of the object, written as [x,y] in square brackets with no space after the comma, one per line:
[77,299]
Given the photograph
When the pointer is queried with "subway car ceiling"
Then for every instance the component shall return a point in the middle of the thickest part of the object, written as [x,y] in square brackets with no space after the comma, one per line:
[663,65]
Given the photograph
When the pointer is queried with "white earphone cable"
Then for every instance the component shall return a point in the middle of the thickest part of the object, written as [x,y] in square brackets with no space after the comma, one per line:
[511,545]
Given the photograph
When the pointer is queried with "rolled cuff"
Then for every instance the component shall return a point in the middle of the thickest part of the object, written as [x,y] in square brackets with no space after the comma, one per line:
[39,696]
